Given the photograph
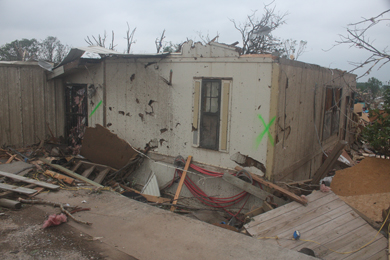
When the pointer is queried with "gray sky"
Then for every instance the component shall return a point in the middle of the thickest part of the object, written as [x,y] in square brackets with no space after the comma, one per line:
[317,22]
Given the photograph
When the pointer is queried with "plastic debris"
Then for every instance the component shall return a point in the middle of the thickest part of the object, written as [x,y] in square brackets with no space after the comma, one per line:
[297,235]
[54,220]
[324,188]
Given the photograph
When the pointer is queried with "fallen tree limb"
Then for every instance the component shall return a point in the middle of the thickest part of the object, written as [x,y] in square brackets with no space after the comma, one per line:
[54,204]
[70,215]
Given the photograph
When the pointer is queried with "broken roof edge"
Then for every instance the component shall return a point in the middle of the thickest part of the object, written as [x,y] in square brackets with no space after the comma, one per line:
[19,63]
[297,63]
[76,53]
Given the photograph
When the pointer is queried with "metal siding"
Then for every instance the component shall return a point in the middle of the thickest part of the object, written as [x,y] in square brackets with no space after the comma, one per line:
[27,104]
[15,106]
[5,137]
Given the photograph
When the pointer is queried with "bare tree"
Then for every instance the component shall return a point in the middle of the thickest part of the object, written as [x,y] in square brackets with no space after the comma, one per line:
[159,41]
[130,38]
[206,38]
[357,37]
[292,49]
[256,33]
[101,41]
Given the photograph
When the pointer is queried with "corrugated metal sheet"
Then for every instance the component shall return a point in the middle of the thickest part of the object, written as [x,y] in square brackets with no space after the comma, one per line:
[151,186]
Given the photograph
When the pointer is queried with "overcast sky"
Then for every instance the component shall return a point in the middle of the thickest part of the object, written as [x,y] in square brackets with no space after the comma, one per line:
[317,22]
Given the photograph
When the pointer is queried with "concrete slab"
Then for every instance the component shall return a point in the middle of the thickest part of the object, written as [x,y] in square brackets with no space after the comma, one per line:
[147,232]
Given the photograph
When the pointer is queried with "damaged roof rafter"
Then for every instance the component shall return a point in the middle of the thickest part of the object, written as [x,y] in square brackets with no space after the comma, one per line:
[73,65]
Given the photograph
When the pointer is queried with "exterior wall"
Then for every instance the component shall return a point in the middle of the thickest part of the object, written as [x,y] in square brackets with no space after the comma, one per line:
[302,90]
[28,103]
[131,87]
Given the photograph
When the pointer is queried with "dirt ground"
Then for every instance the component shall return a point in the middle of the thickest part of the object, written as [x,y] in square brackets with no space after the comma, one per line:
[22,237]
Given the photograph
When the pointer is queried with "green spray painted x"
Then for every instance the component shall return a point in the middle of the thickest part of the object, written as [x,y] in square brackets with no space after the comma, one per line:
[266,130]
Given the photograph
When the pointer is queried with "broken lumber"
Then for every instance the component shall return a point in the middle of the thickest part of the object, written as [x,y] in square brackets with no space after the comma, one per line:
[29,180]
[70,173]
[59,176]
[11,158]
[254,212]
[267,206]
[12,204]
[248,187]
[13,188]
[183,177]
[289,194]
[329,162]
[6,193]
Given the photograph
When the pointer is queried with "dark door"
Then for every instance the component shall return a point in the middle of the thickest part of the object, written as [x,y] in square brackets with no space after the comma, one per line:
[76,113]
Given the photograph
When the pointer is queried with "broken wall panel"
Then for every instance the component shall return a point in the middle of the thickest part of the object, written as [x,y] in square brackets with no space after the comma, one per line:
[29,103]
[301,117]
[103,147]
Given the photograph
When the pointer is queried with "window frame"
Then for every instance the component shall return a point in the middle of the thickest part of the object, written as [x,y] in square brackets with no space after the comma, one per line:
[224,105]
[332,112]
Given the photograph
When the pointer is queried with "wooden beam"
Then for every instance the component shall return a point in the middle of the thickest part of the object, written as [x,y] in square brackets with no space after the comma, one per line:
[329,162]
[254,212]
[70,173]
[29,180]
[13,188]
[183,176]
[267,206]
[275,187]
[102,175]
[59,176]
[248,187]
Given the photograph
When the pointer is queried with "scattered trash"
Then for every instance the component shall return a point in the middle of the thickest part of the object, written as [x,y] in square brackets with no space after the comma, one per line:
[324,188]
[54,220]
[83,201]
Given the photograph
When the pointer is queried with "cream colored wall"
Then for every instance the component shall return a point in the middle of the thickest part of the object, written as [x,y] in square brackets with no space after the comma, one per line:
[127,101]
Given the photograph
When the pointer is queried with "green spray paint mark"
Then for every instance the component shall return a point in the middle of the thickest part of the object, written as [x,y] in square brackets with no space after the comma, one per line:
[265,131]
[94,110]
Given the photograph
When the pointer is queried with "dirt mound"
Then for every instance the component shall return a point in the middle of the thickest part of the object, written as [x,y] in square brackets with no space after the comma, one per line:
[371,175]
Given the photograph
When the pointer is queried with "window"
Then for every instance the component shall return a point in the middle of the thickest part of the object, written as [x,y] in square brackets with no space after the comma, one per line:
[210,114]
[332,112]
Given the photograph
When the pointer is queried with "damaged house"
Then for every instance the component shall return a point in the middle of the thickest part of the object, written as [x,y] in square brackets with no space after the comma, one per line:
[273,115]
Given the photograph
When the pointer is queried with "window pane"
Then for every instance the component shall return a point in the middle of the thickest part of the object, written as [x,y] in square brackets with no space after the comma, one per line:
[207,105]
[215,89]
[208,87]
[214,105]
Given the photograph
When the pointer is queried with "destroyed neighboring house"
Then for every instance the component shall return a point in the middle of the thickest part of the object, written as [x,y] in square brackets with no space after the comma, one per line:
[259,111]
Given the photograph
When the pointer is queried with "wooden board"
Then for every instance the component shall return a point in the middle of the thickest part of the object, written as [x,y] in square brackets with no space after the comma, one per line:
[28,180]
[70,173]
[102,175]
[327,220]
[290,195]
[248,187]
[17,189]
[183,177]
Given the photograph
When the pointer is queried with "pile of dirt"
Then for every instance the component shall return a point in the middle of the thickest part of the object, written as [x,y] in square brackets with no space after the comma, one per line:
[371,175]
[365,187]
